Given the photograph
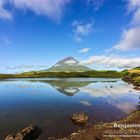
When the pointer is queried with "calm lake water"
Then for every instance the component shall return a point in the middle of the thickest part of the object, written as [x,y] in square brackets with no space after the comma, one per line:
[49,103]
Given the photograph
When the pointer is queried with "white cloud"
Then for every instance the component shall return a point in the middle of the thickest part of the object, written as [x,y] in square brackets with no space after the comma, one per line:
[51,8]
[130,37]
[136,18]
[86,103]
[96,3]
[70,62]
[84,50]
[26,67]
[4,14]
[133,5]
[112,61]
[81,29]
[130,40]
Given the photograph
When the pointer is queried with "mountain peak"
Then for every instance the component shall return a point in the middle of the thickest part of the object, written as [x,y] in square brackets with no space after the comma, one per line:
[69,57]
[68,60]
[68,64]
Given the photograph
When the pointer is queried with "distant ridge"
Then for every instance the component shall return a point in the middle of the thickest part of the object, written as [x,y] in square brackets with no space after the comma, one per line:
[68,64]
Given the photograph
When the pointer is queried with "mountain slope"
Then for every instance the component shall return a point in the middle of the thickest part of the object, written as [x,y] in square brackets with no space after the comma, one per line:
[68,64]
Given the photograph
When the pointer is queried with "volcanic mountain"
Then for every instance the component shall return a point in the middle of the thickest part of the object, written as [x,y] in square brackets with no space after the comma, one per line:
[68,64]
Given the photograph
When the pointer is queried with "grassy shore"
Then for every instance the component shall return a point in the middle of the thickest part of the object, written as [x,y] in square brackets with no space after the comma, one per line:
[132,76]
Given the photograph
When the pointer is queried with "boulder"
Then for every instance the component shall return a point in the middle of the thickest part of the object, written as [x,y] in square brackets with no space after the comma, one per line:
[79,118]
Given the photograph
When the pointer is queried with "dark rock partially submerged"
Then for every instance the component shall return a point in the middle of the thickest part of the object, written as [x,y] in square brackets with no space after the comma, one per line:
[137,87]
[79,118]
[29,133]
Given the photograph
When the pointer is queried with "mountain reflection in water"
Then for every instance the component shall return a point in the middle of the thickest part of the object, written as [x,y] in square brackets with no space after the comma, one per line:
[71,86]
[67,88]
[111,88]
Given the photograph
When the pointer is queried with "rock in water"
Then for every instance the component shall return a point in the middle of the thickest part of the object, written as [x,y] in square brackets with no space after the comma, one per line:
[80,118]
[29,133]
[10,137]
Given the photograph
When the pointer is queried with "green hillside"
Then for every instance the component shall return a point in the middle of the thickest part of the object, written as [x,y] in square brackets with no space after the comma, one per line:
[68,68]
[133,76]
[86,74]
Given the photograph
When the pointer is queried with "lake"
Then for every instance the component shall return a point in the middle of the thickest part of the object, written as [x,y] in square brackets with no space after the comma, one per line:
[50,102]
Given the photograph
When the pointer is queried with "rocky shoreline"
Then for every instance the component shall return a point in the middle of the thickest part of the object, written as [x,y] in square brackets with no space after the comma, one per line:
[101,131]
[28,133]
[132,81]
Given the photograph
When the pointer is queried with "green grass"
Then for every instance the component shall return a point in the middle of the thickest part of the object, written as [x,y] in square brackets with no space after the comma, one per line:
[93,73]
[133,76]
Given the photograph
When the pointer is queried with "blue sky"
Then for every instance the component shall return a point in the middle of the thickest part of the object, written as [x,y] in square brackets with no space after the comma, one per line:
[102,34]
